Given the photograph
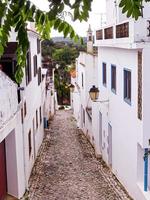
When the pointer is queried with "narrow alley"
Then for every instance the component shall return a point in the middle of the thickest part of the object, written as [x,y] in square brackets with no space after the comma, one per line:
[66,168]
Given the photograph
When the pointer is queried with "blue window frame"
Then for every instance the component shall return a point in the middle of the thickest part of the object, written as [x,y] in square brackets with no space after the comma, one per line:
[104,74]
[127,86]
[113,78]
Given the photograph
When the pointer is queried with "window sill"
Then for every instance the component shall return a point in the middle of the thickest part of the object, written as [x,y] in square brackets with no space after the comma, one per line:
[128,101]
[113,90]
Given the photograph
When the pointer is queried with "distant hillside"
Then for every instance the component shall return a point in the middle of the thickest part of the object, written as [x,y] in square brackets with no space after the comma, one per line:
[66,40]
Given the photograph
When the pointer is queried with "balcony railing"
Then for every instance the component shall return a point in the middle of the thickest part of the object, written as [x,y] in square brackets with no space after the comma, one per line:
[122,30]
[125,33]
[108,33]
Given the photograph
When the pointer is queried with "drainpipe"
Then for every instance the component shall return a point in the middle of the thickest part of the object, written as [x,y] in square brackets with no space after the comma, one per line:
[146,170]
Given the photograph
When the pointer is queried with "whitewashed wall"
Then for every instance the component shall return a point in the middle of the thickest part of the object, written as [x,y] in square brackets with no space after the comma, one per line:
[34,98]
[86,65]
[11,131]
[126,127]
[14,131]
[8,98]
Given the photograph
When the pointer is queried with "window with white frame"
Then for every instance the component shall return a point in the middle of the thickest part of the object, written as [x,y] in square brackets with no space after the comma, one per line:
[127,86]
[104,74]
[113,78]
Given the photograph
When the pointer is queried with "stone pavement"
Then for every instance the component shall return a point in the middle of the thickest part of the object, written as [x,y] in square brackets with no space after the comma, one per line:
[66,168]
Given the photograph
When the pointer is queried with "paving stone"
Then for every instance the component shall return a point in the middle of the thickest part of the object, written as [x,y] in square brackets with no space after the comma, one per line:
[67,169]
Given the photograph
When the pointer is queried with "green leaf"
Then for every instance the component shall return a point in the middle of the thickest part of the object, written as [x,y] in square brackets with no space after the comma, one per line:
[72,34]
[1,49]
[66,31]
[19,24]
[56,23]
[61,27]
[61,8]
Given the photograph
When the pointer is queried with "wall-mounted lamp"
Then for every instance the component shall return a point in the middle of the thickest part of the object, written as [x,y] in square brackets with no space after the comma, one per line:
[94,94]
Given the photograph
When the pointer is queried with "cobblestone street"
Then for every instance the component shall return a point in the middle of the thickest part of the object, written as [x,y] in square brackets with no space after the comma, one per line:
[66,168]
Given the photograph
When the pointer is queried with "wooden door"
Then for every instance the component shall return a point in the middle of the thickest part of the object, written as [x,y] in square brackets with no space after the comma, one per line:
[3,176]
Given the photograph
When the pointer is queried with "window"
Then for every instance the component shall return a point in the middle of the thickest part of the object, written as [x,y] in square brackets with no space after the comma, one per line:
[104,73]
[25,108]
[40,112]
[33,126]
[36,119]
[39,76]
[29,143]
[113,78]
[38,46]
[28,68]
[22,115]
[35,64]
[83,116]
[82,80]
[90,38]
[127,86]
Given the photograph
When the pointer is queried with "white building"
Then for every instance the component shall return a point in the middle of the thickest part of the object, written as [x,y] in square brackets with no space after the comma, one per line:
[120,124]
[50,101]
[123,68]
[21,116]
[12,172]
[86,76]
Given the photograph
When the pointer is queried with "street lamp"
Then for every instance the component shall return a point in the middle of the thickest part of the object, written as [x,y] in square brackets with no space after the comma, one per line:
[94,94]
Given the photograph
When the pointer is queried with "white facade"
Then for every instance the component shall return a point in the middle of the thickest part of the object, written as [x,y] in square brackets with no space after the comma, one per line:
[21,119]
[33,97]
[86,76]
[50,98]
[123,136]
[11,132]
[119,129]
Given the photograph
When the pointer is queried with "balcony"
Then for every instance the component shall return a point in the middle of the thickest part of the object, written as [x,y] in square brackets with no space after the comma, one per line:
[127,34]
[8,98]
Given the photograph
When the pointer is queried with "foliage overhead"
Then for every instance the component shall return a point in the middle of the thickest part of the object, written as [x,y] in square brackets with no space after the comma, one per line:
[133,8]
[17,13]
